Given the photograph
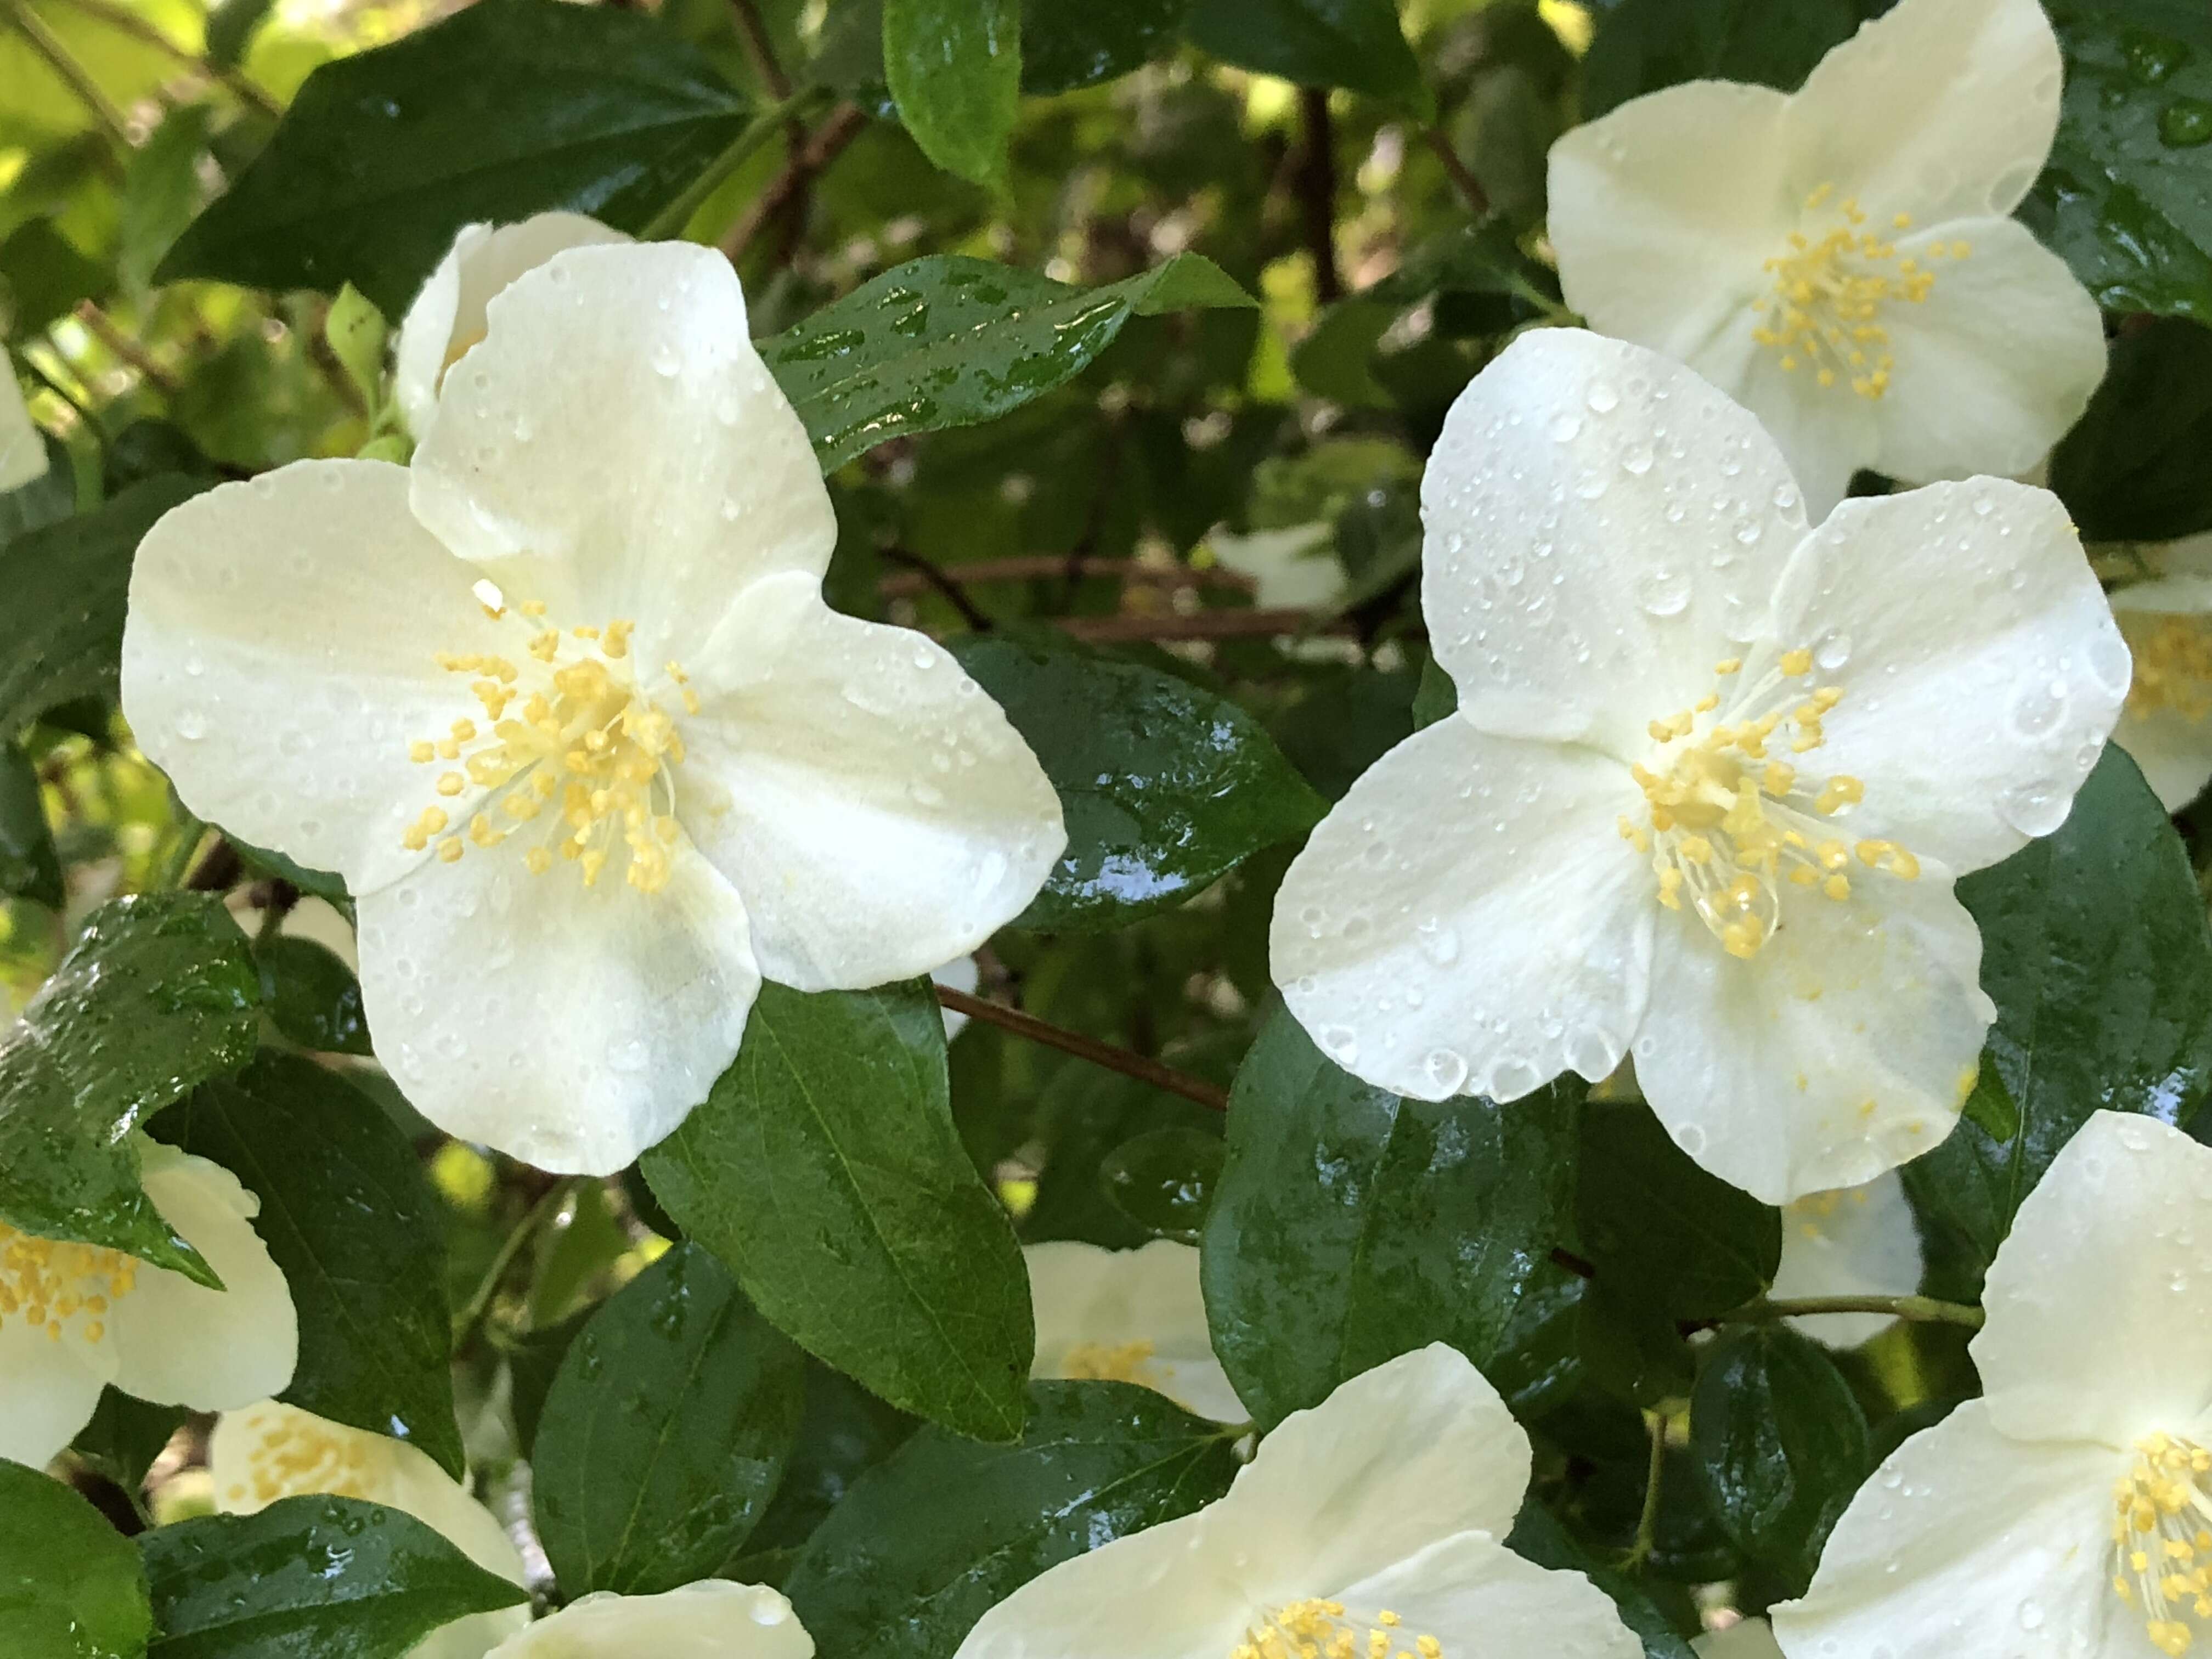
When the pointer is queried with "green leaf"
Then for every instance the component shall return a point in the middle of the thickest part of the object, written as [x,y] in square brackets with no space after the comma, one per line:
[230,29]
[126,1435]
[2127,197]
[1642,46]
[70,1585]
[355,330]
[1319,43]
[1436,697]
[2095,950]
[1537,1536]
[346,1213]
[162,191]
[156,996]
[843,1432]
[665,1431]
[1779,1445]
[951,341]
[61,634]
[1066,46]
[1659,1229]
[1165,788]
[47,499]
[928,1542]
[955,68]
[313,996]
[825,1171]
[28,866]
[1163,1179]
[42,276]
[2133,467]
[505,109]
[330,1577]
[1351,1226]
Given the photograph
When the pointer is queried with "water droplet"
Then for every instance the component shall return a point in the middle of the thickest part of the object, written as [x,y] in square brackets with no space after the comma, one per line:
[1664,591]
[1603,398]
[195,666]
[2185,123]
[1439,942]
[2152,57]
[628,1055]
[1565,429]
[1636,460]
[2031,1614]
[1510,1079]
[2037,707]
[1691,1138]
[664,359]
[2035,808]
[1447,1070]
[1833,650]
[1341,1043]
[192,725]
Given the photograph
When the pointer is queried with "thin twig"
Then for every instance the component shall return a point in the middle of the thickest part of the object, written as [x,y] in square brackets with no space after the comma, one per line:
[825,146]
[49,47]
[102,328]
[548,1205]
[761,49]
[1126,1061]
[1477,201]
[1026,567]
[130,24]
[943,584]
[1647,1523]
[1918,1309]
[1203,625]
[1315,182]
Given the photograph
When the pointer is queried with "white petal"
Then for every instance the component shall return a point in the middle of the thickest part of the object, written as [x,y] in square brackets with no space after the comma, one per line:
[1469,920]
[2169,740]
[1994,366]
[279,657]
[1396,1459]
[568,1026]
[875,807]
[1476,1597]
[1826,433]
[1600,525]
[1837,1052]
[961,974]
[615,449]
[1173,1591]
[447,315]
[1857,1242]
[713,1618]
[22,446]
[1980,665]
[1944,109]
[1091,1298]
[181,1344]
[1961,1539]
[2096,1301]
[2173,749]
[1747,1639]
[49,1390]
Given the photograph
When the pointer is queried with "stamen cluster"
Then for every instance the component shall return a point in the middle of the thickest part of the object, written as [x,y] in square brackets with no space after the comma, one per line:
[1111,1362]
[1319,1629]
[2162,1538]
[293,1454]
[2173,665]
[46,1283]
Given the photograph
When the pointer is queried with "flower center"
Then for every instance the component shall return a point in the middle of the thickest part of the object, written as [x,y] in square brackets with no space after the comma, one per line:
[2162,1538]
[1825,308]
[1126,1362]
[47,1283]
[1319,1629]
[585,747]
[1730,822]
[295,1454]
[2174,665]
[1812,1214]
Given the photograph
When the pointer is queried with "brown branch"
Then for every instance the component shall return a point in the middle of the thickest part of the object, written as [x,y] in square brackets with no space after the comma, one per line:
[1203,625]
[1477,201]
[1315,182]
[761,49]
[1126,1061]
[826,143]
[97,325]
[930,574]
[79,80]
[1029,566]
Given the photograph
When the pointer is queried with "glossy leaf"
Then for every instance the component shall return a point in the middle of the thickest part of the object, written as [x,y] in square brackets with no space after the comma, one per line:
[70,1585]
[1163,1181]
[843,1432]
[825,1172]
[2095,950]
[1165,788]
[126,1435]
[951,341]
[28,866]
[348,1217]
[1642,46]
[1538,1536]
[1659,1229]
[309,1578]
[1350,1225]
[927,1543]
[42,276]
[2133,467]
[505,109]
[157,995]
[1066,46]
[313,996]
[1355,44]
[955,68]
[665,1431]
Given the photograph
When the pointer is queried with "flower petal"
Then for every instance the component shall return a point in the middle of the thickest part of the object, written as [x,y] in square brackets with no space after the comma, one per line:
[280,656]
[447,314]
[1994,365]
[713,1618]
[875,809]
[22,446]
[1600,525]
[1859,1242]
[2096,1301]
[51,1390]
[1980,665]
[1963,1530]
[1944,109]
[1168,1592]
[181,1344]
[615,449]
[1747,1639]
[566,1025]
[1476,1597]
[1826,433]
[2174,751]
[1467,918]
[1833,1054]
[1086,1297]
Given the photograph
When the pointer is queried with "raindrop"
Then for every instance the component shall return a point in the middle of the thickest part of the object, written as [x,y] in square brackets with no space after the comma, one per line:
[2034,808]
[1690,1137]
[1565,429]
[1636,460]
[1664,591]
[1833,650]
[192,725]
[2038,708]
[628,1055]
[2185,123]
[1447,1070]
[1603,398]
[1439,942]
[1341,1042]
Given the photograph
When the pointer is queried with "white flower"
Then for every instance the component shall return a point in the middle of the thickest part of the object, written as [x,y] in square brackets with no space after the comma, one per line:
[450,312]
[1843,261]
[1858,1241]
[714,1619]
[1710,778]
[2166,619]
[2065,1511]
[1747,1639]
[1293,570]
[961,974]
[22,446]
[1129,1316]
[1375,1517]
[583,635]
[267,1452]
[74,1317]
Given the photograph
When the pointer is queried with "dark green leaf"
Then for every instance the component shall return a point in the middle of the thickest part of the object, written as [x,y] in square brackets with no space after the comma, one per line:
[665,1431]
[1779,1443]
[70,1585]
[825,1171]
[156,996]
[1436,697]
[311,995]
[1163,1181]
[955,68]
[1630,1347]
[1320,43]
[1165,788]
[28,866]
[1537,1536]
[2095,952]
[1642,46]
[951,341]
[126,1435]
[843,1432]
[42,276]
[45,500]
[534,1361]
[346,1213]
[1337,360]
[505,109]
[1659,1229]
[309,1578]
[61,634]
[318,884]
[2133,468]
[1083,1113]
[1351,1226]
[230,27]
[161,190]
[927,1543]
[1066,46]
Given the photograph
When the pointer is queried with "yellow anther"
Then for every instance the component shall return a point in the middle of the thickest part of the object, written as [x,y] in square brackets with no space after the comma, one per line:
[1728,666]
[1836,887]
[1797,662]
[422,751]
[452,783]
[1828,295]
[1902,222]
[450,850]
[531,607]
